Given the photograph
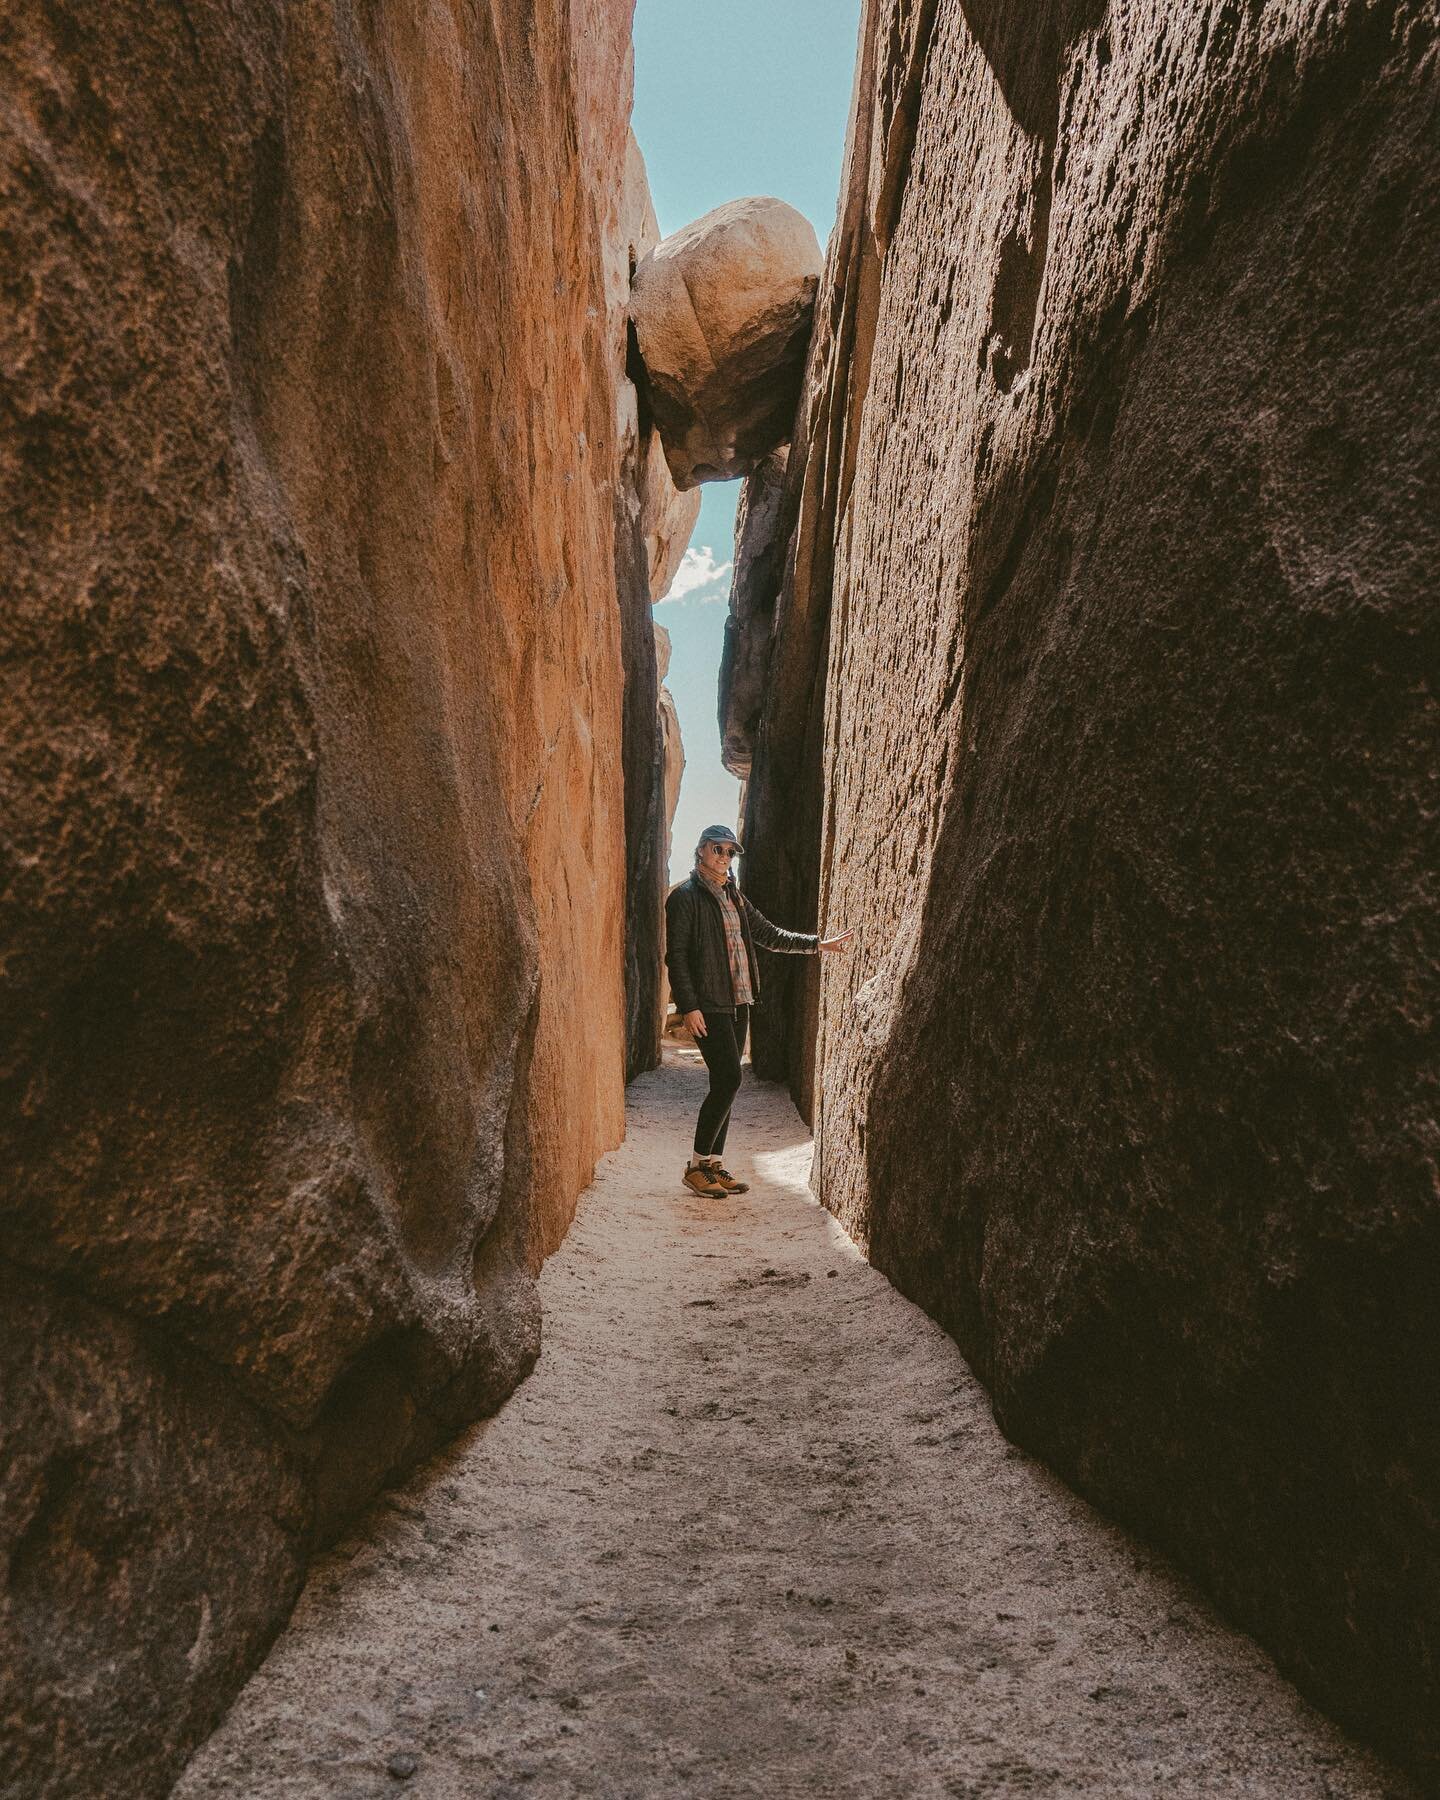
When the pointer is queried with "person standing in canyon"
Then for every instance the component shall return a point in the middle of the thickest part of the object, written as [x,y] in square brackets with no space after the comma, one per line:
[711,930]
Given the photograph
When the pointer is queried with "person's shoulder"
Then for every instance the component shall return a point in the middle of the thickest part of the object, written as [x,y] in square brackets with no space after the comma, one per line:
[681,887]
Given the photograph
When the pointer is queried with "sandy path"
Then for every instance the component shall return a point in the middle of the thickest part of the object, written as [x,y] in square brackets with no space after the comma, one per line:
[749,1529]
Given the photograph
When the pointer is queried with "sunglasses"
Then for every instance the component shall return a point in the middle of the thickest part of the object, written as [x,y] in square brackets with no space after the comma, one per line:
[724,849]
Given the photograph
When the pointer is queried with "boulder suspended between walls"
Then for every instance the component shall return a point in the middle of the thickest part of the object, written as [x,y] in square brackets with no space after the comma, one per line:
[722,313]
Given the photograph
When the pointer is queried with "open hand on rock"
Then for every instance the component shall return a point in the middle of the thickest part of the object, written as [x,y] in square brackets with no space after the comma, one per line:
[839,942]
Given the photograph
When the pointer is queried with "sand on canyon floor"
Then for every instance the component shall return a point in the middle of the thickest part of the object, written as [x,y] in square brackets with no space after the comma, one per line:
[750,1529]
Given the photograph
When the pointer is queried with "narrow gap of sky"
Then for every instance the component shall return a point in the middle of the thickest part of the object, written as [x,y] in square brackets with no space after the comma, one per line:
[748,97]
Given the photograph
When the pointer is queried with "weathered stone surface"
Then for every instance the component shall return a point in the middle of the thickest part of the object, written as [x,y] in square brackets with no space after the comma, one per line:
[653,526]
[311,364]
[672,763]
[1116,444]
[634,555]
[783,797]
[771,724]
[722,314]
[635,534]
[667,519]
[759,568]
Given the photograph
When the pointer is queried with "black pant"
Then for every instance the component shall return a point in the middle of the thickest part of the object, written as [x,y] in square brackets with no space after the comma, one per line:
[722,1047]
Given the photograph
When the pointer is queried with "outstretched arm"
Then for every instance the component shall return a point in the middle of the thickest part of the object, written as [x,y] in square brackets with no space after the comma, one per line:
[789,943]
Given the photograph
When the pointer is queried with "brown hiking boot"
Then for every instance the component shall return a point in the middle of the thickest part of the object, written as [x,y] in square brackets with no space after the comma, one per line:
[727,1180]
[699,1182]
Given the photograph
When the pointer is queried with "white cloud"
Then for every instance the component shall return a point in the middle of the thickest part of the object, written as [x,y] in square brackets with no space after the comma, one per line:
[698,571]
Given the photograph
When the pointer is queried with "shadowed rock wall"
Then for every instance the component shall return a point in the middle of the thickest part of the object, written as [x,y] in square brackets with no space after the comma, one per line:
[1118,435]
[771,718]
[312,351]
[783,798]
[653,523]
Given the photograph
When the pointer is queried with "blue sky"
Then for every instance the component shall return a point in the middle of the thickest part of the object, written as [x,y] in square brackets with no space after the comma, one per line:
[732,99]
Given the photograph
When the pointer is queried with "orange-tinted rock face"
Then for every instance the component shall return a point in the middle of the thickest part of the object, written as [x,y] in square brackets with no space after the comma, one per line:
[312,353]
[1116,443]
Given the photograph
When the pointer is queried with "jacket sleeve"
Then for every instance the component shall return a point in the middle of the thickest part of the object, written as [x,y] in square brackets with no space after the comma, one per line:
[773,937]
[680,950]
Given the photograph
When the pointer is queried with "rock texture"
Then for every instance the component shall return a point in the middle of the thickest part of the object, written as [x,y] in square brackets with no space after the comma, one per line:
[1109,486]
[312,344]
[722,314]
[772,717]
[672,760]
[759,567]
[673,756]
[653,526]
[667,519]
[782,805]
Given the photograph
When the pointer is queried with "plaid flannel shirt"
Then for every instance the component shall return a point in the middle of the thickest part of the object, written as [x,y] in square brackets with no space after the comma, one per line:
[734,945]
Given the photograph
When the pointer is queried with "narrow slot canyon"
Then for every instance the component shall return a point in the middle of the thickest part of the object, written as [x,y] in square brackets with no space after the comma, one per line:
[1055,1408]
[750,1528]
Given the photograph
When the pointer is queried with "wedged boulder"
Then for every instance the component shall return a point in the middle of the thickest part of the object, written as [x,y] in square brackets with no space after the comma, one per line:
[1111,492]
[722,313]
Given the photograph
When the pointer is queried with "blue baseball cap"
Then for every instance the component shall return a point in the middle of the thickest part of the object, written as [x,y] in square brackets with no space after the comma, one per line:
[719,834]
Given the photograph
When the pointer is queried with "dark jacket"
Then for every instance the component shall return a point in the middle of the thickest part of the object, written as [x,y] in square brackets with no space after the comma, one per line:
[695,953]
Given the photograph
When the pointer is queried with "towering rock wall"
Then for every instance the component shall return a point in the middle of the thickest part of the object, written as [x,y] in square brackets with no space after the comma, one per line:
[312,411]
[652,527]
[1116,441]
[771,719]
